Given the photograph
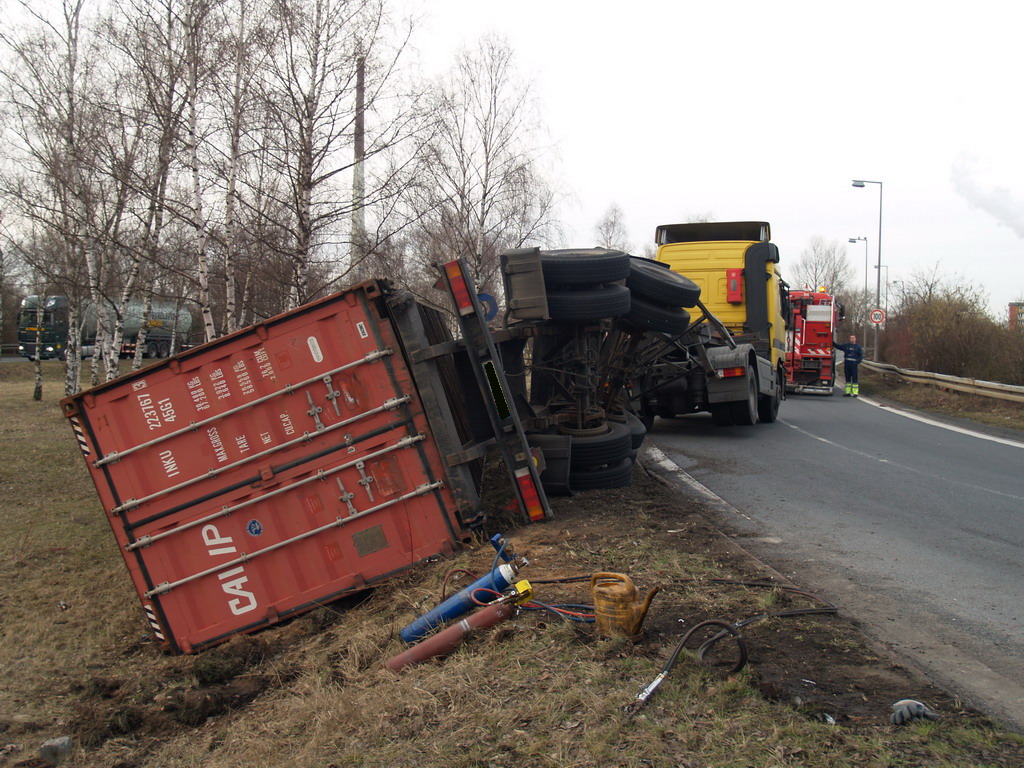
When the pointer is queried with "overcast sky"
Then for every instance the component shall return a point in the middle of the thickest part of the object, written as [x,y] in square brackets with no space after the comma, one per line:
[767,110]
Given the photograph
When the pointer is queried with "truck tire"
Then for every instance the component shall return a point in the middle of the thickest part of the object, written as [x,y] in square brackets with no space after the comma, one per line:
[599,450]
[588,304]
[615,476]
[768,405]
[744,412]
[651,317]
[637,429]
[584,266]
[151,350]
[164,350]
[656,282]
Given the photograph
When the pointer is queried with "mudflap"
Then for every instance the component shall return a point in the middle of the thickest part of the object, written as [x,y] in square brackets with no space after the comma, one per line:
[734,388]
[766,374]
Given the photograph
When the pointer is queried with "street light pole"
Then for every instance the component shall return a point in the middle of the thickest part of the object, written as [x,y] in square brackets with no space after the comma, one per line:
[878,282]
[886,307]
[864,317]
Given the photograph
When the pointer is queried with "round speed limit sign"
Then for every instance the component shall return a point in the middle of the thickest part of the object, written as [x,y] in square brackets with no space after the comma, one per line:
[877,316]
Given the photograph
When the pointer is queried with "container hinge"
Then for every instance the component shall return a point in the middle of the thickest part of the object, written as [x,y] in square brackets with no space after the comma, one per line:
[346,498]
[332,394]
[366,479]
[314,412]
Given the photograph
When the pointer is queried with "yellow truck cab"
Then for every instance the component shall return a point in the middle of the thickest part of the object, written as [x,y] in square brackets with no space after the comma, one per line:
[743,343]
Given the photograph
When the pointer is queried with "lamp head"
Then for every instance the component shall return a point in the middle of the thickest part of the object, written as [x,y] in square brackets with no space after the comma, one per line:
[858,183]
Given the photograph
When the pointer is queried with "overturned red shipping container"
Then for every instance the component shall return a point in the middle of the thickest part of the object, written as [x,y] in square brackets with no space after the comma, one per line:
[260,475]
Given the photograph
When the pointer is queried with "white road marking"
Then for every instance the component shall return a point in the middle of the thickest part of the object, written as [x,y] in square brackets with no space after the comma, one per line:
[950,427]
[667,465]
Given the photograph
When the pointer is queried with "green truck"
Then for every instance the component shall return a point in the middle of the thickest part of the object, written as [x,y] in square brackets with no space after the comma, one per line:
[168,322]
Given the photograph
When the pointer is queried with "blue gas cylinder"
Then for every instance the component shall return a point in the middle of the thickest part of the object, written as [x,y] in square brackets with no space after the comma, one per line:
[460,603]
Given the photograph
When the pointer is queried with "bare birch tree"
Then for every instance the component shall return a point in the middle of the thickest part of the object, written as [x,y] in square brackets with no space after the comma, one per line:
[310,95]
[823,263]
[8,295]
[611,230]
[196,20]
[40,289]
[487,190]
[310,92]
[149,39]
[248,42]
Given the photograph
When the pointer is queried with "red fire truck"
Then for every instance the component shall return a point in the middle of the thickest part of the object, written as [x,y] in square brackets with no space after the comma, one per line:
[810,358]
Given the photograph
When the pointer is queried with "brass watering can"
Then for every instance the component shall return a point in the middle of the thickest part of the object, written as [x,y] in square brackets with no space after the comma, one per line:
[618,609]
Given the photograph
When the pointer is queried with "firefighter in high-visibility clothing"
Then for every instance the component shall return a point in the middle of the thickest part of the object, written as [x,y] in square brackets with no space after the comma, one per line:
[853,354]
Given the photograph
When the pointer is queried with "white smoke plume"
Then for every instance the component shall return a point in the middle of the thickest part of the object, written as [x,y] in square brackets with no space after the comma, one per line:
[996,201]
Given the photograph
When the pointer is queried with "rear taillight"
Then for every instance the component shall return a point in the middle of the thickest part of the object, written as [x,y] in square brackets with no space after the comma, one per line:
[460,291]
[528,494]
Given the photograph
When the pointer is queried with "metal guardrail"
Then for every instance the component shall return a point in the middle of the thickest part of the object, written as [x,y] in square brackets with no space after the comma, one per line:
[970,386]
[8,349]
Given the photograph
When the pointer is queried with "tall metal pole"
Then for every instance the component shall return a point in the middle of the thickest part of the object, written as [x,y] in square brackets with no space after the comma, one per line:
[864,316]
[878,283]
[885,297]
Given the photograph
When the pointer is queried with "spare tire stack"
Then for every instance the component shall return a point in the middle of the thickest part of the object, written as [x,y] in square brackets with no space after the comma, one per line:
[659,296]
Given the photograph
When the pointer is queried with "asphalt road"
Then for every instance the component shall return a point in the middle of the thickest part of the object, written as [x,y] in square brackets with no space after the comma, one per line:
[913,527]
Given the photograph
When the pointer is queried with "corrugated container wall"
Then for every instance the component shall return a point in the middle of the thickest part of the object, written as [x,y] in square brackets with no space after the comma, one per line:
[262,474]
